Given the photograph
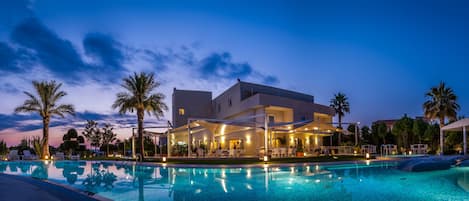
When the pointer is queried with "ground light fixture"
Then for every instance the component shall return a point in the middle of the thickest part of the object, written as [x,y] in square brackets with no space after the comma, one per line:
[46,157]
[163,159]
[367,156]
[266,159]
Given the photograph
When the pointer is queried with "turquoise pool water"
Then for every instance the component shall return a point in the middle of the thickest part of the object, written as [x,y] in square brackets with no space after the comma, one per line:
[374,181]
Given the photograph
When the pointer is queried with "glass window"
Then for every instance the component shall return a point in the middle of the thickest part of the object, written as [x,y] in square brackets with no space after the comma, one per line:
[271,118]
[182,112]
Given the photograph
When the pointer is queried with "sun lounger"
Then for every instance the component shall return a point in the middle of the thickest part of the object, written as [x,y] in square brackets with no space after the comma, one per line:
[75,157]
[59,156]
[13,155]
[28,156]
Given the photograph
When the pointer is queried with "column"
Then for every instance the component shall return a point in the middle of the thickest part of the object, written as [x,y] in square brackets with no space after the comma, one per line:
[464,139]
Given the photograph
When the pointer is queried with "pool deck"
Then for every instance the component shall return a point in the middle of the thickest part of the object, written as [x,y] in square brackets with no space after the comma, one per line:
[20,188]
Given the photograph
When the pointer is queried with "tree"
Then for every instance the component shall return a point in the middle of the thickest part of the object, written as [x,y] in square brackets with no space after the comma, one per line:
[381,130]
[431,134]
[441,104]
[418,129]
[351,129]
[341,106]
[366,136]
[140,98]
[92,133]
[46,105]
[3,148]
[72,141]
[37,145]
[108,136]
[402,129]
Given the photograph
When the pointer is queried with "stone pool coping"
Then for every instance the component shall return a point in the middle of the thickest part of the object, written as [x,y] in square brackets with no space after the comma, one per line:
[181,165]
[29,188]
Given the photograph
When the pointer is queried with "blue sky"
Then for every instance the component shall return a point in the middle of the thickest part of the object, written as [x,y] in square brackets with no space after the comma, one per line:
[384,55]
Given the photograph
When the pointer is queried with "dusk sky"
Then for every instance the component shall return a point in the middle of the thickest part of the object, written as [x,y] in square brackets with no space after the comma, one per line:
[384,56]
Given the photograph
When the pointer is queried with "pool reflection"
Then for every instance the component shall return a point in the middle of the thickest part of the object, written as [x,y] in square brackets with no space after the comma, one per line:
[127,181]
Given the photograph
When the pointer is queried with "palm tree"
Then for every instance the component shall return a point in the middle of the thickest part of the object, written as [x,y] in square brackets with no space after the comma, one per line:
[441,104]
[139,98]
[341,106]
[45,104]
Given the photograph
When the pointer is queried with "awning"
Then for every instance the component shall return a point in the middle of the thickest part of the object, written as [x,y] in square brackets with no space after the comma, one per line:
[457,125]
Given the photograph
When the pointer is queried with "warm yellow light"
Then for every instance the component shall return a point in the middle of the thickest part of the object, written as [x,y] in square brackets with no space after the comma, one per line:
[222,129]
[307,140]
[289,127]
[222,139]
[248,139]
[316,140]
[248,173]
[164,159]
[306,129]
[367,156]
[46,157]
[410,152]
[52,157]
[316,128]
[292,140]
[266,158]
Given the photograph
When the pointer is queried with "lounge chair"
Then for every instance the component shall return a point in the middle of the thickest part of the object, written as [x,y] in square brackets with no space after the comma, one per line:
[13,155]
[59,156]
[75,157]
[28,156]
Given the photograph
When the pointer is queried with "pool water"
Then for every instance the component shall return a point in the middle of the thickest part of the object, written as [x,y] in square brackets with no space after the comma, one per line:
[373,181]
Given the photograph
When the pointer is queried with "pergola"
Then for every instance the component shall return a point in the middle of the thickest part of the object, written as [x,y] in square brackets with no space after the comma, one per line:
[459,125]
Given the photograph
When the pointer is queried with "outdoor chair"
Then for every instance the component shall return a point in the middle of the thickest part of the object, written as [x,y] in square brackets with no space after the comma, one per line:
[75,157]
[28,156]
[13,155]
[59,156]
[283,152]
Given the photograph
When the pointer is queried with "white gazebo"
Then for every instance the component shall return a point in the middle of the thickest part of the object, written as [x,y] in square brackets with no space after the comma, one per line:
[459,125]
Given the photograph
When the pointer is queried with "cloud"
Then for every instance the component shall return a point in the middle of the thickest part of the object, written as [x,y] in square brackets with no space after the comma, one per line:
[107,51]
[57,54]
[7,58]
[28,122]
[221,65]
[8,88]
[11,12]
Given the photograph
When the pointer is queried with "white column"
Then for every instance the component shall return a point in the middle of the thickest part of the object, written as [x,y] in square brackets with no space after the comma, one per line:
[189,139]
[133,146]
[441,142]
[356,134]
[464,139]
[266,126]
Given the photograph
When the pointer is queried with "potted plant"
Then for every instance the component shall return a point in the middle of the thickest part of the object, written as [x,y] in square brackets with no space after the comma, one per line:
[299,150]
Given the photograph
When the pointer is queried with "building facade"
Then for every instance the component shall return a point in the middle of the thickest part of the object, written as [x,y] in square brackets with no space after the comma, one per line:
[245,119]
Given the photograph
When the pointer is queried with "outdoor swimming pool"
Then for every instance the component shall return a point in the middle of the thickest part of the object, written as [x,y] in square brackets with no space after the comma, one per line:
[374,181]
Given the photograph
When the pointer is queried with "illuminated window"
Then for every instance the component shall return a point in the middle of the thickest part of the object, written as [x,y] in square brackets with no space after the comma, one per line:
[181,111]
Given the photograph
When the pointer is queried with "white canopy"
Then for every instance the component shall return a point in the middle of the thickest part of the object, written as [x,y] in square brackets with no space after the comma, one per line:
[459,125]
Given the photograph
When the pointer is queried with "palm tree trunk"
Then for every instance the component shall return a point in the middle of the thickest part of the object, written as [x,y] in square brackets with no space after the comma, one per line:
[107,149]
[442,123]
[140,114]
[340,133]
[45,137]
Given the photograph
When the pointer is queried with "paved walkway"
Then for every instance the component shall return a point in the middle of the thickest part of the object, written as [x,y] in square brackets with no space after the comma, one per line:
[20,188]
